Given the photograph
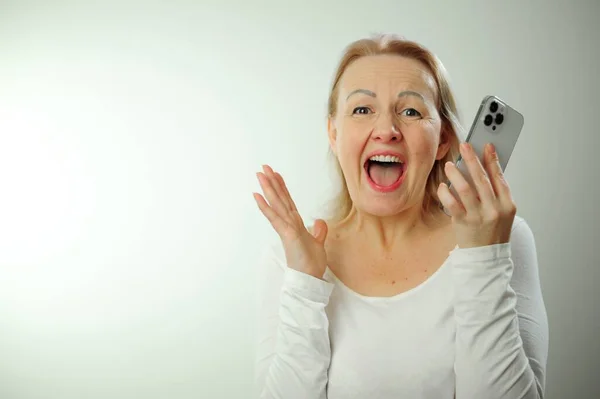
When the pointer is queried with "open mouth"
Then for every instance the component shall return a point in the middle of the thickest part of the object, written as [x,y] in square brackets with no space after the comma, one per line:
[385,172]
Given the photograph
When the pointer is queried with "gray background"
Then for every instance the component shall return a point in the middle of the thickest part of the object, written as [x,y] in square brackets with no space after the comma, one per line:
[129,137]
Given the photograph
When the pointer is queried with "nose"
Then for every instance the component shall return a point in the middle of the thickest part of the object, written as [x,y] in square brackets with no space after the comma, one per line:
[386,131]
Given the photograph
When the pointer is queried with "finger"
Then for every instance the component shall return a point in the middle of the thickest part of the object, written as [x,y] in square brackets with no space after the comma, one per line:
[466,193]
[320,230]
[294,214]
[277,222]
[497,179]
[272,197]
[276,183]
[478,174]
[286,192]
[449,201]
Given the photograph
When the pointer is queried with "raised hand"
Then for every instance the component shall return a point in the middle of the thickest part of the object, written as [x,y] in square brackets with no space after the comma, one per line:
[484,212]
[305,252]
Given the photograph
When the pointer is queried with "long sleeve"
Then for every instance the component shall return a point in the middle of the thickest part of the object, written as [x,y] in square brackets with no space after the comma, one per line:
[293,351]
[502,326]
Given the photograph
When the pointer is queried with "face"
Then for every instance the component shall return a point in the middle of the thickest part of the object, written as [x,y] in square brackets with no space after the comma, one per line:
[386,132]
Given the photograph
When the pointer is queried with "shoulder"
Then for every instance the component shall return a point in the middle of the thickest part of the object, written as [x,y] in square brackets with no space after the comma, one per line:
[519,222]
[523,252]
[521,233]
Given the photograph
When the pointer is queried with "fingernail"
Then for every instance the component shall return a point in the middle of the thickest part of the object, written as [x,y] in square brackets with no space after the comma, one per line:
[465,146]
[492,148]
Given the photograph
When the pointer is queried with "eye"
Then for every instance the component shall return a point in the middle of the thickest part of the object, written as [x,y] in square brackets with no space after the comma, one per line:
[360,110]
[410,112]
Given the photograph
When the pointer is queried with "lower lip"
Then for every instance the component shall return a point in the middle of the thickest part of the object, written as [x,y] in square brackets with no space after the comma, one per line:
[386,189]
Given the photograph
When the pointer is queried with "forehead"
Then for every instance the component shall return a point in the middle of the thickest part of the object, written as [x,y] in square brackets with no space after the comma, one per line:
[384,74]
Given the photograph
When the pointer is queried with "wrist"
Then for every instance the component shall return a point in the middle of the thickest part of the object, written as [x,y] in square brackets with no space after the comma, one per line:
[308,286]
[314,273]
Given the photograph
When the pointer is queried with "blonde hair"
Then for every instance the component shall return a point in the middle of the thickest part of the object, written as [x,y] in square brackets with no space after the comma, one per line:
[341,206]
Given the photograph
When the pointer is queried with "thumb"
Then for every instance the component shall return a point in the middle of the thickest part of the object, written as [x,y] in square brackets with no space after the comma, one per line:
[320,230]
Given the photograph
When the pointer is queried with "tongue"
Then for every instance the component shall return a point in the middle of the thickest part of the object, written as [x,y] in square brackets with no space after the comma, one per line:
[386,174]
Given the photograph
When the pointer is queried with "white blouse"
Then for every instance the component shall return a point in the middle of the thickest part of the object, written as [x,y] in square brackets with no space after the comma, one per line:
[477,328]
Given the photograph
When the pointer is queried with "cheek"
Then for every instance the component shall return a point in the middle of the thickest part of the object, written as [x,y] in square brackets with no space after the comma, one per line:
[424,148]
[349,144]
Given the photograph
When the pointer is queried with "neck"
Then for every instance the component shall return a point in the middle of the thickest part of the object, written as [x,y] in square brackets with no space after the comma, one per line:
[384,233]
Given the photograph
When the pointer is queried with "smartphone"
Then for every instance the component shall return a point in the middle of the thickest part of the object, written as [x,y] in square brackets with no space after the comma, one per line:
[498,123]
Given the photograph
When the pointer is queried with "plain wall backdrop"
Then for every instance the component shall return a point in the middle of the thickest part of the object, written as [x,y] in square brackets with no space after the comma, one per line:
[130,134]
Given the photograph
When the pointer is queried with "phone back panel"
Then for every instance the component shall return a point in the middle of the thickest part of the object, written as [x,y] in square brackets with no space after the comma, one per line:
[499,124]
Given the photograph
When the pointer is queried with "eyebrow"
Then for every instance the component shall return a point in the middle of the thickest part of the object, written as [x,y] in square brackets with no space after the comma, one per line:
[401,94]
[363,91]
[412,93]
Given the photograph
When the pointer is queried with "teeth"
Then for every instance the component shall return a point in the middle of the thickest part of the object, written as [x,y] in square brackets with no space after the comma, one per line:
[385,158]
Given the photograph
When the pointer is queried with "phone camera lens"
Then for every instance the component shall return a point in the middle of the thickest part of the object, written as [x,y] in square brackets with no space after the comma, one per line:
[494,106]
[488,120]
[499,119]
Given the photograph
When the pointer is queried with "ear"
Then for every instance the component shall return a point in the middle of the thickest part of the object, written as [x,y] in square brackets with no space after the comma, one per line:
[445,142]
[332,134]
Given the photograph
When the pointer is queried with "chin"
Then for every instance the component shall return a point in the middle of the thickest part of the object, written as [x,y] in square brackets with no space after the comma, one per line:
[381,207]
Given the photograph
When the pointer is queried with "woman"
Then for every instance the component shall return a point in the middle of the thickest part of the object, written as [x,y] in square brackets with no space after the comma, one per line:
[392,297]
